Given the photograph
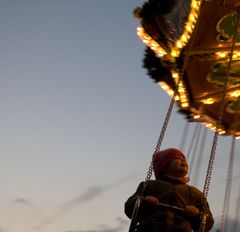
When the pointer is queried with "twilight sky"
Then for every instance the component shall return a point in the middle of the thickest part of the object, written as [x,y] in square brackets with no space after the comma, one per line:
[80,117]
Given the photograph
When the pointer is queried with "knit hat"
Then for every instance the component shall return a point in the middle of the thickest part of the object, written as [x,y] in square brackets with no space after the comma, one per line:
[161,159]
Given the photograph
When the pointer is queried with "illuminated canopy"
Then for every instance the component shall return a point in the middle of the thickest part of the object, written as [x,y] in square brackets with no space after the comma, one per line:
[167,29]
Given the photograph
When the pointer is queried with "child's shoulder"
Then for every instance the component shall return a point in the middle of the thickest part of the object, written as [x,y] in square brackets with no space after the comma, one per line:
[195,192]
[158,182]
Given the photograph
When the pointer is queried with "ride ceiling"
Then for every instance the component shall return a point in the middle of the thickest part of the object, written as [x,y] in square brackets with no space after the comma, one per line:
[194,47]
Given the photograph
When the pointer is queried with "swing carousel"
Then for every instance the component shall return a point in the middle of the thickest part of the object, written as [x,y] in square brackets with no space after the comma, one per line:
[193,53]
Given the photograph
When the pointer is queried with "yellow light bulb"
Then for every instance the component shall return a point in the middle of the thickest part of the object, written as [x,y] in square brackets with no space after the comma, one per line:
[185,105]
[179,44]
[196,116]
[208,101]
[221,54]
[194,5]
[184,38]
[174,53]
[189,28]
[192,17]
[175,75]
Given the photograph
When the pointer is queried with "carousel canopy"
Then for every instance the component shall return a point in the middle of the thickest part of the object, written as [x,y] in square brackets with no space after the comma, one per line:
[206,34]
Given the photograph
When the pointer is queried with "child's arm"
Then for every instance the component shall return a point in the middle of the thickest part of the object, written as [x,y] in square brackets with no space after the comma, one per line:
[130,203]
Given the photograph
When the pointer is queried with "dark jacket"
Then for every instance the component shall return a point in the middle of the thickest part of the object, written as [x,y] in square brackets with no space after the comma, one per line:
[152,218]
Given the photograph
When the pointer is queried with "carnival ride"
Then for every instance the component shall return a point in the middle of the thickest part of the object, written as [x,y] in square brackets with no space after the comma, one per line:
[175,32]
[193,53]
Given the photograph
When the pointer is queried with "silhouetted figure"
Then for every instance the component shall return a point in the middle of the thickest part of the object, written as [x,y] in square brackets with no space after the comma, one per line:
[171,188]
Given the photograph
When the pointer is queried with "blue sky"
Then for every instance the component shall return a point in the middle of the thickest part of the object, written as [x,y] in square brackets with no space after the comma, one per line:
[79,116]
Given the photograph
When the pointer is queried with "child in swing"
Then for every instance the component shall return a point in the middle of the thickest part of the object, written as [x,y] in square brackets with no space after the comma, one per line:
[171,188]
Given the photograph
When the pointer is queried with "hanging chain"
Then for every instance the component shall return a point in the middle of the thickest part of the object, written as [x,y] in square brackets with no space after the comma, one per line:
[150,171]
[195,179]
[196,129]
[196,145]
[170,108]
[237,213]
[211,160]
[228,188]
[163,130]
[184,136]
[196,132]
[219,121]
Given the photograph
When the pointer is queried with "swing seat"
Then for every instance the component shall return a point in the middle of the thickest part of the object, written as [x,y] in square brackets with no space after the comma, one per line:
[168,219]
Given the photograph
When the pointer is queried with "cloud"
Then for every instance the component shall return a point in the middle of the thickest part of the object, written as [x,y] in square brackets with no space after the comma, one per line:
[21,201]
[3,230]
[121,226]
[89,194]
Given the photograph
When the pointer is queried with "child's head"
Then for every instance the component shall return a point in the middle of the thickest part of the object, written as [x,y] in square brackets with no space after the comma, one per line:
[169,162]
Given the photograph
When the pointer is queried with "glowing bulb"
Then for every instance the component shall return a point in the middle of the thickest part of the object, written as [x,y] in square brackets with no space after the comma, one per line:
[235,93]
[185,105]
[163,85]
[196,116]
[174,53]
[179,44]
[208,125]
[189,28]
[208,101]
[194,5]
[184,38]
[192,17]
[221,54]
[175,75]
[221,132]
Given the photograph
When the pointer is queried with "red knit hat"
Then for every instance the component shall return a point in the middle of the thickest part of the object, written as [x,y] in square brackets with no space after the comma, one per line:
[161,159]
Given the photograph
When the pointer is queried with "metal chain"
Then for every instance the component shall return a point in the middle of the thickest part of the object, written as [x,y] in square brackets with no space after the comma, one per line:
[165,124]
[195,179]
[219,121]
[196,129]
[228,188]
[150,171]
[160,139]
[184,136]
[194,154]
[237,213]
[170,108]
[211,161]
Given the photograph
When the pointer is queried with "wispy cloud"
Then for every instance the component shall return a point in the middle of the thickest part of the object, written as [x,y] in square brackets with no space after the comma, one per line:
[21,201]
[3,230]
[91,193]
[88,195]
[121,226]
